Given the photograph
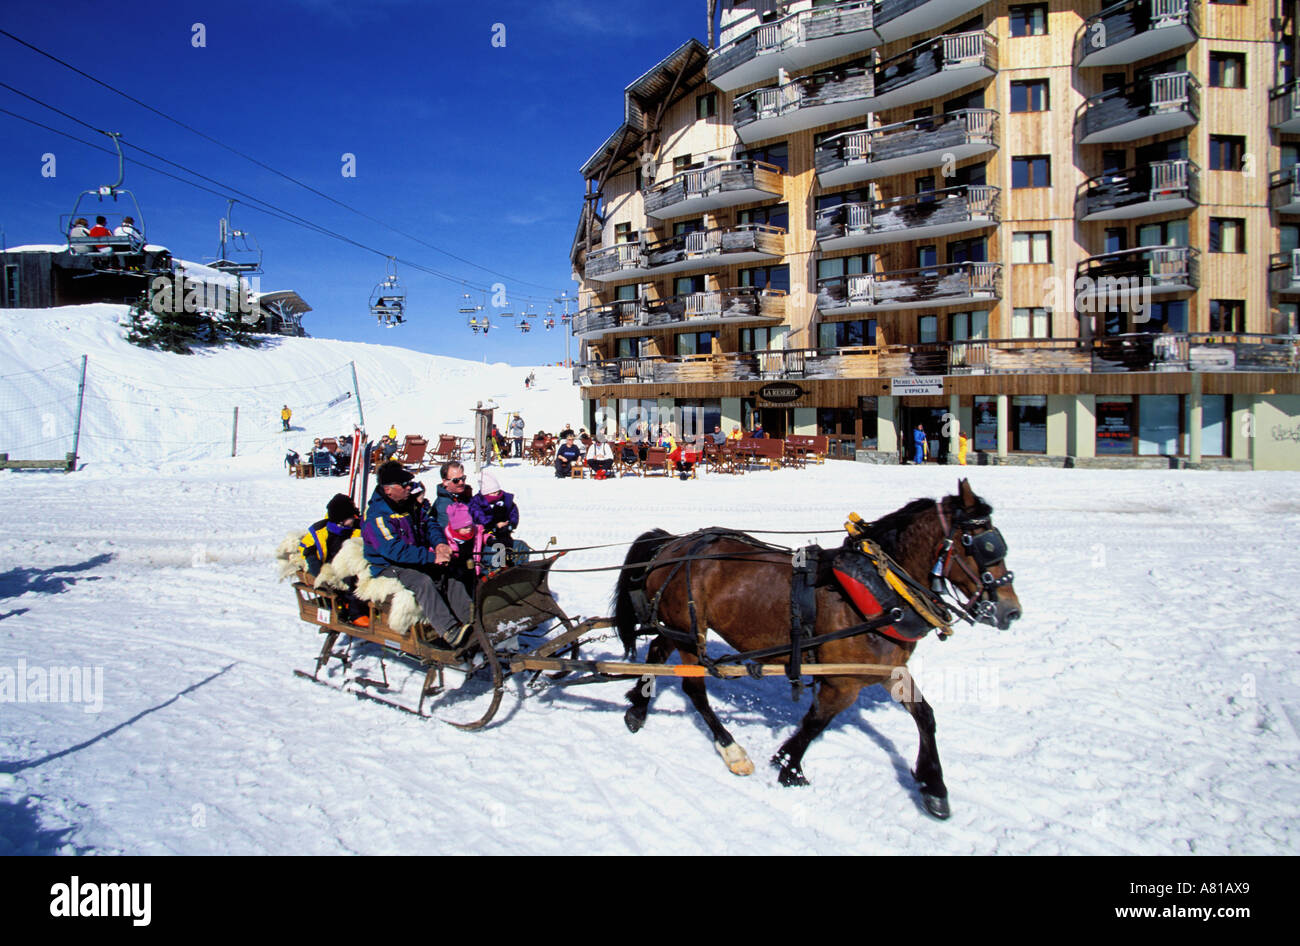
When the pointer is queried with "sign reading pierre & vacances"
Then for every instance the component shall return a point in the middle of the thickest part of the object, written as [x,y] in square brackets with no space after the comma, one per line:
[904,387]
[781,392]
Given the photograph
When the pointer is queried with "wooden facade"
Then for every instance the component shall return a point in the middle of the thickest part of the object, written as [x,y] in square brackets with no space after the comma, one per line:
[1162,122]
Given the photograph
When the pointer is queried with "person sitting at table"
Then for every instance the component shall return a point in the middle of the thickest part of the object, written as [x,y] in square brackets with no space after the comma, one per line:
[684,457]
[718,437]
[600,458]
[735,434]
[758,433]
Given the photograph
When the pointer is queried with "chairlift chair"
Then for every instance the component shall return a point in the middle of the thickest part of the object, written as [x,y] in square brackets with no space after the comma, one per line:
[126,230]
[239,252]
[388,300]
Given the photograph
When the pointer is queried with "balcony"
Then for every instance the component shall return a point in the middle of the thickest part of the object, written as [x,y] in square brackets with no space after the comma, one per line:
[1284,273]
[818,99]
[1155,188]
[934,68]
[1120,280]
[1140,109]
[1284,190]
[949,284]
[621,261]
[1106,355]
[898,19]
[911,217]
[917,144]
[1284,108]
[701,310]
[1132,30]
[700,249]
[794,42]
[724,184]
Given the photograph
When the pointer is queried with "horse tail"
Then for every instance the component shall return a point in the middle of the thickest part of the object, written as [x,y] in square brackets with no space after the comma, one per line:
[631,578]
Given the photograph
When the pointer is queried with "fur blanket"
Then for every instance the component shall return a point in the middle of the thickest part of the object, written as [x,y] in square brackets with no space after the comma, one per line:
[350,562]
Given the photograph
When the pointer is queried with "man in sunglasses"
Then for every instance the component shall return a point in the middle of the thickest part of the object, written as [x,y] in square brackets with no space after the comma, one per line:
[403,542]
[454,488]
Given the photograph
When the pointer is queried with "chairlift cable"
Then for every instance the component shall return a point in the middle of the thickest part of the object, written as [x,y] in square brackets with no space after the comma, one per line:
[263,165]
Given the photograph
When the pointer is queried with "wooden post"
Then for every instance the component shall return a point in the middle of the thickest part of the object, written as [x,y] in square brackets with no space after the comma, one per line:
[76,434]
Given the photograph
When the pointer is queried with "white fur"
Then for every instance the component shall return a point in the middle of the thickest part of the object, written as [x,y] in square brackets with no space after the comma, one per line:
[288,556]
[350,562]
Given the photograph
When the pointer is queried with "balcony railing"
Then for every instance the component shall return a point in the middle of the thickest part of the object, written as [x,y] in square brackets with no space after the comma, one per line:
[1132,30]
[934,68]
[911,217]
[1140,109]
[1284,272]
[866,153]
[727,246]
[620,261]
[1284,190]
[1284,108]
[947,284]
[1155,188]
[794,42]
[1144,352]
[724,184]
[1114,281]
[818,99]
[715,307]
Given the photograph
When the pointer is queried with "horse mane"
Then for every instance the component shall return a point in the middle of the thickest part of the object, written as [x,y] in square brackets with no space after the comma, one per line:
[888,530]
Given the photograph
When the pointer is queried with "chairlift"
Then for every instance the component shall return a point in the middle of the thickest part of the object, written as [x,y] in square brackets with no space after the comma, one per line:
[239,252]
[123,233]
[525,327]
[388,300]
[550,324]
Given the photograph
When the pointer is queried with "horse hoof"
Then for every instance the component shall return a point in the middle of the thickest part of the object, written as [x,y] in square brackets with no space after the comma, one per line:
[936,805]
[792,778]
[634,720]
[737,759]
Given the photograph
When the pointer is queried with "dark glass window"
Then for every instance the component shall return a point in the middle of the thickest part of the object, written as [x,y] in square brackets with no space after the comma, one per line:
[1029,19]
[1029,95]
[706,106]
[974,250]
[1031,171]
[767,277]
[1227,152]
[778,154]
[1227,315]
[774,215]
[1227,235]
[1228,70]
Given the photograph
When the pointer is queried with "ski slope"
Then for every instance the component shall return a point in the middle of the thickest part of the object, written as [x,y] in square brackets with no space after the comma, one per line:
[1147,702]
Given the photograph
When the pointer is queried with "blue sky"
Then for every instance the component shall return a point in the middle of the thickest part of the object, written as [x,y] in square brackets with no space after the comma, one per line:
[474,149]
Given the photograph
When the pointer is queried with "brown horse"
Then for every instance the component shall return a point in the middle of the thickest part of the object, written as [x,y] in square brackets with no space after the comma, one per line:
[741,590]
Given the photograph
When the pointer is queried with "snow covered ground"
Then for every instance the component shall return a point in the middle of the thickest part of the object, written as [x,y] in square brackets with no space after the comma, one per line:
[1148,701]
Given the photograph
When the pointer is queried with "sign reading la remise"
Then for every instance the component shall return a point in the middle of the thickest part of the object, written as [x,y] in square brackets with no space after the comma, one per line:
[912,387]
[781,392]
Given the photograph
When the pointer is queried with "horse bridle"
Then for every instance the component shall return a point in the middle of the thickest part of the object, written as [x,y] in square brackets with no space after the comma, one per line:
[982,542]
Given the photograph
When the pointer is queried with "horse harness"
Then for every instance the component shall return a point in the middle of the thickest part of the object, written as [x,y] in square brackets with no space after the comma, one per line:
[894,604]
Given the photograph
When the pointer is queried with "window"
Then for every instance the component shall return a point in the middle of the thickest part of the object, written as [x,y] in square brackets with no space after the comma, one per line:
[1116,240]
[1031,323]
[774,215]
[755,339]
[629,346]
[626,293]
[1031,246]
[928,326]
[682,227]
[1171,315]
[1227,235]
[685,285]
[1227,315]
[1287,319]
[1227,152]
[927,256]
[974,250]
[1031,171]
[11,285]
[778,154]
[1029,19]
[623,233]
[1029,95]
[1229,3]
[1028,423]
[856,333]
[1114,418]
[695,343]
[776,278]
[857,195]
[706,106]
[967,325]
[681,163]
[1228,70]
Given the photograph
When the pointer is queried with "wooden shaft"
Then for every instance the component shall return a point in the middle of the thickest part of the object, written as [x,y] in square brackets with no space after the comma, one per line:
[631,669]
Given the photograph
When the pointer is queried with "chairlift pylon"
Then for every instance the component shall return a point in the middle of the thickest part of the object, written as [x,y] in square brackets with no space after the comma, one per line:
[388,300]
